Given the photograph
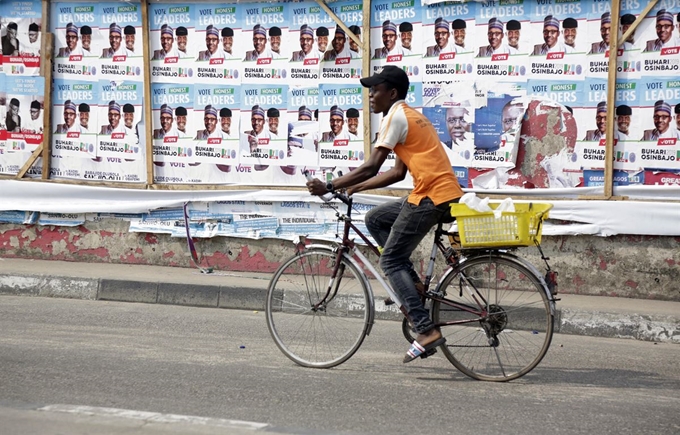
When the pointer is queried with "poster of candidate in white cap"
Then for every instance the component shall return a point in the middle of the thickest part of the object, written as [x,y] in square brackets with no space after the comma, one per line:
[219,35]
[216,121]
[173,122]
[558,50]
[396,36]
[263,129]
[265,34]
[74,118]
[340,140]
[121,25]
[448,34]
[309,38]
[77,41]
[20,27]
[658,113]
[173,45]
[341,62]
[498,59]
[660,42]
[116,137]
[305,64]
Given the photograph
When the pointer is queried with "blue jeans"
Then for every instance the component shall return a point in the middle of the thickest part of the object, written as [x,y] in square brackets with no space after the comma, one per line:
[399,227]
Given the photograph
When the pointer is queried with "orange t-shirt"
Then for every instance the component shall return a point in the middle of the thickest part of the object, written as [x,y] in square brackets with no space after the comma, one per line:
[414,139]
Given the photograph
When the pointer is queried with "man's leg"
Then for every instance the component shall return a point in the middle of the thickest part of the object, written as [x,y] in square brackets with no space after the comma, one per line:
[408,230]
[379,221]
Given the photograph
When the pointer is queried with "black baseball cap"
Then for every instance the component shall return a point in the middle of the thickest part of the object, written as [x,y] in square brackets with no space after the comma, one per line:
[390,74]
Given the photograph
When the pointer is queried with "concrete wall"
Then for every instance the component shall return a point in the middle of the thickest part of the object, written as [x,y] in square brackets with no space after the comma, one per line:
[624,266]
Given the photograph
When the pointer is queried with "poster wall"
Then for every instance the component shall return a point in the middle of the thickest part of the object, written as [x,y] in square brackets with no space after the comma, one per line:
[220,71]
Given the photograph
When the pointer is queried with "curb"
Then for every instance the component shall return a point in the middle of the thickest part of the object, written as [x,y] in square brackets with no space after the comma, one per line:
[655,328]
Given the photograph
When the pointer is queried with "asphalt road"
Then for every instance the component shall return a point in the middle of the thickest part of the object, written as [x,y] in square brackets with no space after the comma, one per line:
[182,370]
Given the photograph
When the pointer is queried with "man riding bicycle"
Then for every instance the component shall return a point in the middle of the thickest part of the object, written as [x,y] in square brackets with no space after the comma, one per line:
[399,226]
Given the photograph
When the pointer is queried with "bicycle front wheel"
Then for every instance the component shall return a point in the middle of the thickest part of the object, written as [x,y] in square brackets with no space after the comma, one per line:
[503,320]
[317,319]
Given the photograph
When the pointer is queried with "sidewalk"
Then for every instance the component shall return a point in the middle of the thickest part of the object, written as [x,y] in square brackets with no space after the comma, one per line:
[581,315]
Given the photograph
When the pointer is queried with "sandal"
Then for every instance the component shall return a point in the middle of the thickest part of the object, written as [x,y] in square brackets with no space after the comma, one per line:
[417,350]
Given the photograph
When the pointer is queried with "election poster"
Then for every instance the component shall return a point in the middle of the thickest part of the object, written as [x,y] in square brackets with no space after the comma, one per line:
[216,117]
[591,120]
[173,46]
[448,33]
[396,36]
[629,63]
[74,119]
[24,103]
[660,40]
[21,22]
[450,106]
[266,25]
[309,30]
[558,51]
[264,125]
[341,61]
[660,122]
[599,31]
[222,47]
[3,112]
[341,125]
[121,24]
[119,110]
[303,127]
[498,122]
[173,123]
[78,43]
[505,57]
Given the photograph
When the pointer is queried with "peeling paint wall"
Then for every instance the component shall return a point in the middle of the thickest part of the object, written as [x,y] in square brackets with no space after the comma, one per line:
[623,266]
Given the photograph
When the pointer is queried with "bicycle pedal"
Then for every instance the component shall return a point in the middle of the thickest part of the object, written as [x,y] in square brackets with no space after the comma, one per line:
[429,353]
[388,301]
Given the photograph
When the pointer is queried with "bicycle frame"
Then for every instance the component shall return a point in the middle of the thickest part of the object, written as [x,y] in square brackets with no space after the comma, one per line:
[347,247]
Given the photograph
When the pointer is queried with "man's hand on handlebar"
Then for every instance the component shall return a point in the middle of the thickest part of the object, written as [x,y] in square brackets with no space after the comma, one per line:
[316,187]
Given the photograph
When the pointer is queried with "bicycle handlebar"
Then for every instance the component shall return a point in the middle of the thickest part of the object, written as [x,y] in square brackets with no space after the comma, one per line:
[346,199]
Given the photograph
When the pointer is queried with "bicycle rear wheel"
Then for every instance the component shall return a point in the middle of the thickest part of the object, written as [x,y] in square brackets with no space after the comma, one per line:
[515,334]
[312,326]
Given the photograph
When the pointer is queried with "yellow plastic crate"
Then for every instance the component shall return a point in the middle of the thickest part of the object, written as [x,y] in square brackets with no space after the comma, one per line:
[482,230]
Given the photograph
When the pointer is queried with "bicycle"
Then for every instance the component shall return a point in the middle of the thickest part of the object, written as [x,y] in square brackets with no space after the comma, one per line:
[494,308]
